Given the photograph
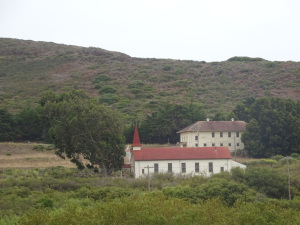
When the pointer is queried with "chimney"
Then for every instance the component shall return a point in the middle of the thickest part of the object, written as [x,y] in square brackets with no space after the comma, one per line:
[136,144]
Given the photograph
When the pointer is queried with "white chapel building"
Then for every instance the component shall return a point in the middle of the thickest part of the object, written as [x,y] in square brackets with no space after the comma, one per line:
[180,160]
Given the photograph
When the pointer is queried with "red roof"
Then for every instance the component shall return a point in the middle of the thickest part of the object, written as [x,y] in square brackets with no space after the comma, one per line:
[147,154]
[136,138]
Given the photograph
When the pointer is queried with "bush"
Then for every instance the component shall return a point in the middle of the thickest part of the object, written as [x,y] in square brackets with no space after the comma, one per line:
[244,59]
[277,157]
[267,181]
[101,78]
[109,99]
[44,203]
[107,89]
[295,155]
[38,148]
[167,67]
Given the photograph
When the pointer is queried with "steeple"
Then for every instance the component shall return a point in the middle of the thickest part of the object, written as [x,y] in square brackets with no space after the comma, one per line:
[136,144]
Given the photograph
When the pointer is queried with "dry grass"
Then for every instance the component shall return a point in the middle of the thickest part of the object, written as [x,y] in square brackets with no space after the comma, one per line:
[22,155]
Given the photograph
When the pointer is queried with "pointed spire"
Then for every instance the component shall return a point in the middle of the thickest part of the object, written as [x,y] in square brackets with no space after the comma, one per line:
[136,140]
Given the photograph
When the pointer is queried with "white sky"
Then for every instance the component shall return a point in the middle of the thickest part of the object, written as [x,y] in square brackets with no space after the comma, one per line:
[209,30]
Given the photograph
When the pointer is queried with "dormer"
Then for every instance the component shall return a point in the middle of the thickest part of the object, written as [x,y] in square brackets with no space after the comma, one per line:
[136,144]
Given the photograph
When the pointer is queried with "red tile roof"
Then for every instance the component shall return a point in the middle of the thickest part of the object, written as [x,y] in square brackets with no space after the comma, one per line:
[229,126]
[147,154]
[136,138]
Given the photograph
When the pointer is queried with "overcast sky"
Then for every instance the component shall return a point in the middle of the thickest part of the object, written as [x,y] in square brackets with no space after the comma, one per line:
[209,30]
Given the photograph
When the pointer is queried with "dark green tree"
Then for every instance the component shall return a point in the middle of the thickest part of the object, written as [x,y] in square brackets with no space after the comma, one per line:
[253,139]
[162,126]
[8,131]
[274,126]
[80,127]
[30,123]
[267,181]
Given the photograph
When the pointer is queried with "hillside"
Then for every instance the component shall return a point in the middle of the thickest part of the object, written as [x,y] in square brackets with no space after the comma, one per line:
[137,85]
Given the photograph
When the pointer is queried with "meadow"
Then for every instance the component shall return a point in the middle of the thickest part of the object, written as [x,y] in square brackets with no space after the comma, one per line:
[59,193]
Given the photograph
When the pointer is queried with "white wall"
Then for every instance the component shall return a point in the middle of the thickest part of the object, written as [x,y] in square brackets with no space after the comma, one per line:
[206,138]
[227,164]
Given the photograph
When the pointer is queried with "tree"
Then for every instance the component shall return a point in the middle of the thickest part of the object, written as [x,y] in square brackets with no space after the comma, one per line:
[30,123]
[274,126]
[252,139]
[79,126]
[162,126]
[8,132]
[267,181]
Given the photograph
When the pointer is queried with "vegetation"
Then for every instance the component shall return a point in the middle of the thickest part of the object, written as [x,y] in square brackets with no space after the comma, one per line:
[162,126]
[57,195]
[153,93]
[79,126]
[273,126]
[137,86]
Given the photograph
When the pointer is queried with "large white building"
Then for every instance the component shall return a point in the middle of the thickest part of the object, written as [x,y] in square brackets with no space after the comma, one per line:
[214,134]
[180,160]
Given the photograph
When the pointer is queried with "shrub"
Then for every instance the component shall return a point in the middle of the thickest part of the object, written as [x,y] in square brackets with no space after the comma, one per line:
[44,203]
[101,78]
[277,157]
[107,89]
[109,99]
[244,59]
[136,84]
[295,155]
[166,67]
[38,148]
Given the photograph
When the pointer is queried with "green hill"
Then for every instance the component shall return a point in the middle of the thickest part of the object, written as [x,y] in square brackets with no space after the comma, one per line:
[138,85]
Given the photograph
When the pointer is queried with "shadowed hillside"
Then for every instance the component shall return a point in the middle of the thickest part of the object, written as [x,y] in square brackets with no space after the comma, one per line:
[137,85]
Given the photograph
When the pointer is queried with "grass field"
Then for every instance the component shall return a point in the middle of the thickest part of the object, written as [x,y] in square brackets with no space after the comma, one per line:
[29,155]
[37,155]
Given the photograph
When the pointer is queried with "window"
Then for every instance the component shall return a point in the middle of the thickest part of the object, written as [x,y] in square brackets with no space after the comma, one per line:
[213,134]
[221,144]
[222,169]
[196,167]
[221,134]
[204,144]
[170,167]
[183,168]
[229,134]
[213,144]
[237,144]
[155,167]
[143,171]
[229,144]
[210,167]
[237,134]
[196,145]
[196,138]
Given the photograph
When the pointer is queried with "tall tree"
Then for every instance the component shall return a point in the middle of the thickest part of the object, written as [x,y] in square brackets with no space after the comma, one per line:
[79,126]
[274,126]
[30,123]
[8,131]
[162,126]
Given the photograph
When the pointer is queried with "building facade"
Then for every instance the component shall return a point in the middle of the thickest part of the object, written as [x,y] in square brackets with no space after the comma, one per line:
[214,134]
[180,160]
